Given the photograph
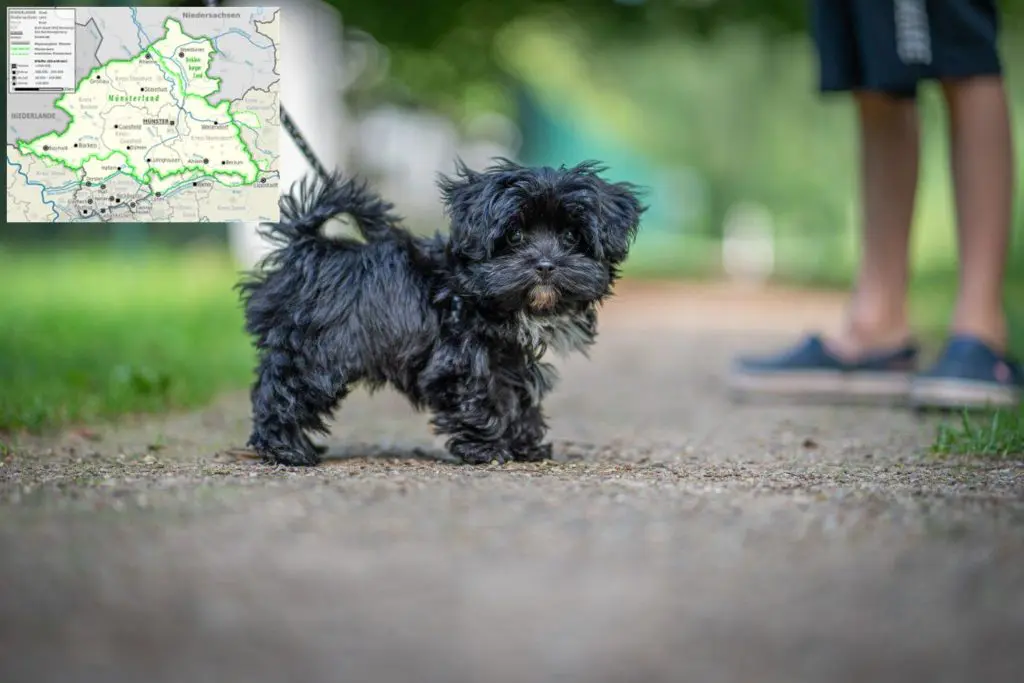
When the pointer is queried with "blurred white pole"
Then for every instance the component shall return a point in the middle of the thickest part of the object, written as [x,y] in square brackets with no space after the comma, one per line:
[748,244]
[310,64]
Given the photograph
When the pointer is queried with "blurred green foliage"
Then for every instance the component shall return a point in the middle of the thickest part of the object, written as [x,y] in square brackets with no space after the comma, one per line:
[439,48]
[719,90]
[90,334]
[415,24]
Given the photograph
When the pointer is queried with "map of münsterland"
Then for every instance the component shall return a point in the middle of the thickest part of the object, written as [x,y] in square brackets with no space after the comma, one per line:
[171,115]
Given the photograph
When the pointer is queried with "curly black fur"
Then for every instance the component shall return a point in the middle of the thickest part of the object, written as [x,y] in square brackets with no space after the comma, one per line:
[458,324]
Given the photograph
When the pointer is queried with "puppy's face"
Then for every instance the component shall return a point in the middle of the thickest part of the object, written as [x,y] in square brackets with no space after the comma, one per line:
[539,240]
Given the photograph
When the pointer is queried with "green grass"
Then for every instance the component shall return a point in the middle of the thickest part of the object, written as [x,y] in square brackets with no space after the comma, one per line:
[93,334]
[998,435]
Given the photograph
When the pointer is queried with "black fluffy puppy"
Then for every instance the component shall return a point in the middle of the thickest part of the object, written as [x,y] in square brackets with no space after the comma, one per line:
[457,323]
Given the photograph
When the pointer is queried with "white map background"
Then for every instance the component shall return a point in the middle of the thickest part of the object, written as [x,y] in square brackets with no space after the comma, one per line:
[247,44]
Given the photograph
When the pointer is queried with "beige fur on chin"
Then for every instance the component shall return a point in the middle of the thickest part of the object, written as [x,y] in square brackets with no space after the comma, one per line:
[543,298]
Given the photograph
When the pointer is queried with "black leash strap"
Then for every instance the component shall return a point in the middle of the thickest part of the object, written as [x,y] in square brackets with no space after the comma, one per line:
[292,130]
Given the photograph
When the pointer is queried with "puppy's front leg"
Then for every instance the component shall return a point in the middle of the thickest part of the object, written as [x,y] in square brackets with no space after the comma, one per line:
[527,430]
[476,418]
[526,435]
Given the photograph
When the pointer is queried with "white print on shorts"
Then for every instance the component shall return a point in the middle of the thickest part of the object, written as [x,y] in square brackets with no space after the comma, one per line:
[913,39]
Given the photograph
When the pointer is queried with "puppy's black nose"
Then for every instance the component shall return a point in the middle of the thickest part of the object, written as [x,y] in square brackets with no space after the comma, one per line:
[545,267]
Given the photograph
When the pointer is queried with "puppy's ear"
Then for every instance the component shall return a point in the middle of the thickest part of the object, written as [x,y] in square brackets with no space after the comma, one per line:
[459,191]
[618,214]
[466,205]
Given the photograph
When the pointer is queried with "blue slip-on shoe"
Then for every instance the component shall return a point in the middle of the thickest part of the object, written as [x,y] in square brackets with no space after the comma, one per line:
[969,374]
[811,370]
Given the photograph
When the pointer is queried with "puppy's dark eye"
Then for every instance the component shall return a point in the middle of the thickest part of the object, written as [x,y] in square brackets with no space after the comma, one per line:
[570,239]
[514,237]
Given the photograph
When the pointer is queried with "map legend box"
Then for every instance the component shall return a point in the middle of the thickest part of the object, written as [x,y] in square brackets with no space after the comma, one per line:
[40,49]
[143,115]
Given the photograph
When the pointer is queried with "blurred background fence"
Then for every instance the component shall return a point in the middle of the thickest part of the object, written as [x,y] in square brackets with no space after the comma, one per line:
[711,104]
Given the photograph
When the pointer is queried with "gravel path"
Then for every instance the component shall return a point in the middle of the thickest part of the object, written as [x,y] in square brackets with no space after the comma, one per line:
[678,537]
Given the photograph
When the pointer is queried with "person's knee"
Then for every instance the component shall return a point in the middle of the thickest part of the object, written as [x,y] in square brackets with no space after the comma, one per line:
[969,85]
[883,113]
[883,105]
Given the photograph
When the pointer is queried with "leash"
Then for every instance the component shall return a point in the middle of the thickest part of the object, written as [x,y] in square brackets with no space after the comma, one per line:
[293,130]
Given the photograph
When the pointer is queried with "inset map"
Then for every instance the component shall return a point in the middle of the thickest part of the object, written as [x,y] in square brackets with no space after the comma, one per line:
[143,114]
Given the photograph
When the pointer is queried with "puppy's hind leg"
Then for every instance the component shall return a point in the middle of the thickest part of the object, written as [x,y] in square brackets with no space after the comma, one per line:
[288,400]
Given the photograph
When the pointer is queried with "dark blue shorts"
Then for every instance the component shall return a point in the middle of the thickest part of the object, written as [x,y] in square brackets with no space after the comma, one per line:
[890,46]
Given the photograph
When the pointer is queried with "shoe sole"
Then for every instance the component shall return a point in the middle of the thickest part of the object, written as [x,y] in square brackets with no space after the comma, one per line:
[960,394]
[858,387]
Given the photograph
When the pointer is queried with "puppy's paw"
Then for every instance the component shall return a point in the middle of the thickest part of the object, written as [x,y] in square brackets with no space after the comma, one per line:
[535,453]
[285,447]
[289,455]
[296,458]
[480,454]
[318,448]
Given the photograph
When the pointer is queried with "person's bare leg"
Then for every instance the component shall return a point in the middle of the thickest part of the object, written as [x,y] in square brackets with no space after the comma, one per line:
[889,153]
[981,152]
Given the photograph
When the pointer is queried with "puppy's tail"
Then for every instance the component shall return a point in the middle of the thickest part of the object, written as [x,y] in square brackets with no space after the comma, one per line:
[315,200]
